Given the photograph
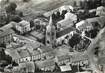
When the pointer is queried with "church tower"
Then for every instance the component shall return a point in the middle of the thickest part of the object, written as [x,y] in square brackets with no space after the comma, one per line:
[50,34]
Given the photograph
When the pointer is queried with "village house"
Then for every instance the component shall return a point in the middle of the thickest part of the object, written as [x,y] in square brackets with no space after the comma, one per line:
[22,27]
[83,25]
[63,60]
[69,20]
[99,20]
[6,36]
[25,55]
[32,46]
[43,53]
[38,35]
[14,54]
[47,65]
[8,26]
[79,59]
[28,67]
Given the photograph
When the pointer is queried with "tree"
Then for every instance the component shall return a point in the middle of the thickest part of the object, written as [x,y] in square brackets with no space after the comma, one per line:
[14,63]
[11,7]
[5,60]
[3,17]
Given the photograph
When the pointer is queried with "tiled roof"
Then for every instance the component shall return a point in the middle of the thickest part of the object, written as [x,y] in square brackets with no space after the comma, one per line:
[8,26]
[45,49]
[13,53]
[65,31]
[100,20]
[23,53]
[6,32]
[62,58]
[35,52]
[35,44]
[79,57]
[46,63]
[37,35]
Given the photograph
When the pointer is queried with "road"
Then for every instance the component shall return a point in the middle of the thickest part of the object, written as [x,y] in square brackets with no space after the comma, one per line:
[91,50]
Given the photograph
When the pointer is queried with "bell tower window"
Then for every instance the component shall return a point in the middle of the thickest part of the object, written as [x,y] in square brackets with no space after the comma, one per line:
[48,42]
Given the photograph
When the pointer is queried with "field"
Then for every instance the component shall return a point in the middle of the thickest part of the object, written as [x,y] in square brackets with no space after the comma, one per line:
[36,7]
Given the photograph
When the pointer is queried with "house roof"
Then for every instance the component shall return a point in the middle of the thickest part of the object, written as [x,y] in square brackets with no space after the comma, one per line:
[45,49]
[23,23]
[37,35]
[23,53]
[63,57]
[35,52]
[8,26]
[100,20]
[64,32]
[13,53]
[79,57]
[6,32]
[33,45]
[30,66]
[46,63]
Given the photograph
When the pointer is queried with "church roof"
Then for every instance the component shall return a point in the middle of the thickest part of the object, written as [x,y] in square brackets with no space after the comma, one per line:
[64,32]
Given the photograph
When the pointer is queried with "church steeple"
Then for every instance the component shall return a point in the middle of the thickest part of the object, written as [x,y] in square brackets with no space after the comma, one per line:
[50,33]
[50,21]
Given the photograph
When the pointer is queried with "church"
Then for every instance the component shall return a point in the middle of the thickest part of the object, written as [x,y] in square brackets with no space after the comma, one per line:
[54,37]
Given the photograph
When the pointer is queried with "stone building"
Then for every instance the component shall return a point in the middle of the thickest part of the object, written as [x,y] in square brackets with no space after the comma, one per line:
[6,36]
[50,34]
[22,27]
